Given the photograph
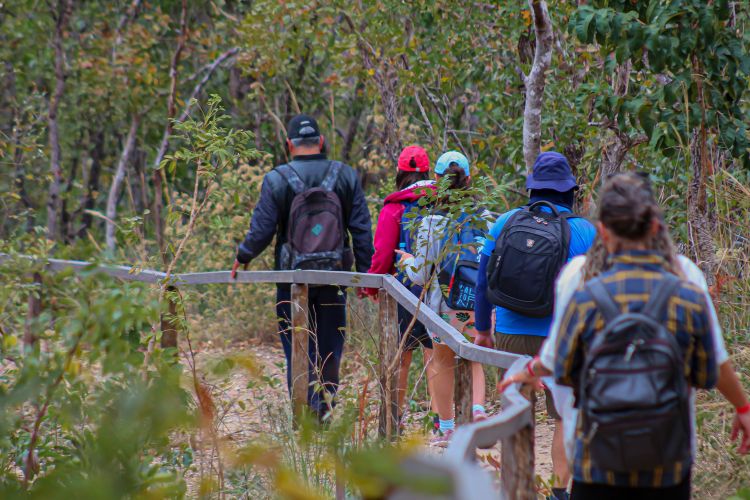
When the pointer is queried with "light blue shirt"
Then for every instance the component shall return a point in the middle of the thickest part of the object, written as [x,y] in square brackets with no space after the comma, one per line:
[582,234]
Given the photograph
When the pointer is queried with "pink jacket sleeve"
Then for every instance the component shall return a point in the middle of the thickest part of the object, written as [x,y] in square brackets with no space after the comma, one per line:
[386,240]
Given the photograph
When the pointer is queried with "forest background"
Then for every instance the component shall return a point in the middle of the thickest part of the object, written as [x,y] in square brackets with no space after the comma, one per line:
[113,150]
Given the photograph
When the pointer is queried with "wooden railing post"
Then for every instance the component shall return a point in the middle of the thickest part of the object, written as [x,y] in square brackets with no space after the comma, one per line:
[35,309]
[462,395]
[169,323]
[517,458]
[388,421]
[300,342]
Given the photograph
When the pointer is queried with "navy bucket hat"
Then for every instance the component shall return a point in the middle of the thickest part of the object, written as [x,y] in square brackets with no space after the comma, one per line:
[551,171]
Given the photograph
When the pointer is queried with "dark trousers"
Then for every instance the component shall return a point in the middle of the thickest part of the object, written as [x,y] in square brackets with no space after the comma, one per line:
[327,320]
[586,491]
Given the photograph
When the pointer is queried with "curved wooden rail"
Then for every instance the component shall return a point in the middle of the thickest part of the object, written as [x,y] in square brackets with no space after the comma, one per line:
[513,426]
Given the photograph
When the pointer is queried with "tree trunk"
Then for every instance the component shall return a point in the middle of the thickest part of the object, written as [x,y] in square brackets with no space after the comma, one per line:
[171,100]
[117,180]
[384,72]
[534,82]
[92,183]
[54,201]
[699,224]
[353,126]
[386,80]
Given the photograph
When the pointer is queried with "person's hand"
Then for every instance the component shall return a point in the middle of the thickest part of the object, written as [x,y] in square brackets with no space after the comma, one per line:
[484,339]
[741,429]
[518,378]
[236,266]
[526,376]
[404,256]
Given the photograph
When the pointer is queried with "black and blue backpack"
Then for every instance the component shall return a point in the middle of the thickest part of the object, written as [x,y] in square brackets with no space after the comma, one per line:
[410,220]
[529,253]
[459,267]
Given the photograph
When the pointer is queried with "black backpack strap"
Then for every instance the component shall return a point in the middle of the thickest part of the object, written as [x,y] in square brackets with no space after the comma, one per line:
[292,178]
[664,290]
[329,182]
[604,301]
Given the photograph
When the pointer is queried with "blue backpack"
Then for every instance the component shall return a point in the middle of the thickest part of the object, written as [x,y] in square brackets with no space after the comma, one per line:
[410,220]
[459,268]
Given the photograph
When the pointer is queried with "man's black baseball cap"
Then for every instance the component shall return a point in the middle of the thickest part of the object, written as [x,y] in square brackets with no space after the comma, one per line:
[302,127]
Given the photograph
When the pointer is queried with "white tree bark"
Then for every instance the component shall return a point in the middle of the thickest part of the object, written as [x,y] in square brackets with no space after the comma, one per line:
[119,177]
[534,82]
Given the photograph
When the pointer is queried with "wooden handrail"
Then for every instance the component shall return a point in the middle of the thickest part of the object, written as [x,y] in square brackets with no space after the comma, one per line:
[452,338]
[513,426]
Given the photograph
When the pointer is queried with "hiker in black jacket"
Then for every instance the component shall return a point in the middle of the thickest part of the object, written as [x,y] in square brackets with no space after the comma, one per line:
[327,304]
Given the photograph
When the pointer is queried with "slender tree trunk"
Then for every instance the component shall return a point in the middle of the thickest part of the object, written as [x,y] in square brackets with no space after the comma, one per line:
[92,183]
[699,222]
[171,100]
[384,72]
[139,194]
[616,148]
[66,217]
[117,180]
[353,126]
[535,81]
[386,80]
[54,201]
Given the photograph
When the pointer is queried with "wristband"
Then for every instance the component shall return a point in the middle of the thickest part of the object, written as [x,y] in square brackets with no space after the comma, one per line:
[530,369]
[743,409]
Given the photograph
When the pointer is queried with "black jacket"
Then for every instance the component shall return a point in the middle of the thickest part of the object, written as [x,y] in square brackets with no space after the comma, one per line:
[271,213]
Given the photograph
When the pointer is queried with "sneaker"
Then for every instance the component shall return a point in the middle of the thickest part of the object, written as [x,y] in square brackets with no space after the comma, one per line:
[479,415]
[442,439]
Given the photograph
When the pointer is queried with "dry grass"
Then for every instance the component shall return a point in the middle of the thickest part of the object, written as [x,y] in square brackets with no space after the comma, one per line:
[719,471]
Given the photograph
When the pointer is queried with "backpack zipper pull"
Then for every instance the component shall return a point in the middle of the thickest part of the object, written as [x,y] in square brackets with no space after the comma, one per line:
[631,349]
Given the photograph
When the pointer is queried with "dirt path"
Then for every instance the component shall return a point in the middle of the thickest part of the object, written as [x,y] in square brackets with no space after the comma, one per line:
[242,398]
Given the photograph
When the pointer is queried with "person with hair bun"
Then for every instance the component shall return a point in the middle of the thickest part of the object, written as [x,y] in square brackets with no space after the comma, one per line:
[608,461]
[585,268]
[413,183]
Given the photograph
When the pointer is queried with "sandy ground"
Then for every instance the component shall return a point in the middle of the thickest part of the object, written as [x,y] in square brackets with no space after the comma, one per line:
[240,397]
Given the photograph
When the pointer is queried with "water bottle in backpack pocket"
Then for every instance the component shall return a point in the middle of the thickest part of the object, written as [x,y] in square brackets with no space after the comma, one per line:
[529,253]
[633,395]
[315,231]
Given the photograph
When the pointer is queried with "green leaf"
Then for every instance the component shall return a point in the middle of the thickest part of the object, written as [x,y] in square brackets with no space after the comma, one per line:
[583,26]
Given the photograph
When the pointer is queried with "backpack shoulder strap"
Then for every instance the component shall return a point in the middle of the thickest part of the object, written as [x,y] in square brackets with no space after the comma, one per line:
[292,178]
[659,297]
[604,301]
[329,182]
[512,219]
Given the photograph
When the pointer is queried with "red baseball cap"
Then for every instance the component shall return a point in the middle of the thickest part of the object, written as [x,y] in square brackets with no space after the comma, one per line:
[413,159]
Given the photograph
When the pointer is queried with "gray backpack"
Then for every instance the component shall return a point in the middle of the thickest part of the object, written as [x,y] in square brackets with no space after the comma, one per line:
[633,395]
[315,230]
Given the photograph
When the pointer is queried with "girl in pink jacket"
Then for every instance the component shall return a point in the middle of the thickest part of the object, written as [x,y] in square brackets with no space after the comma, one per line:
[412,183]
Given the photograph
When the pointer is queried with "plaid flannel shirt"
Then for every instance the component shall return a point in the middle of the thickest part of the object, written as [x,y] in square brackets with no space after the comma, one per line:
[630,281]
